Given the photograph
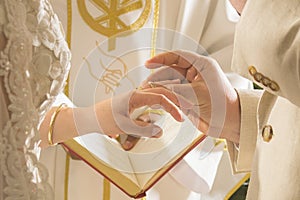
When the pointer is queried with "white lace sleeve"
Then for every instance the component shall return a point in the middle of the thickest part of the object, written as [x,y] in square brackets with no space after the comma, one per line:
[2,16]
[34,64]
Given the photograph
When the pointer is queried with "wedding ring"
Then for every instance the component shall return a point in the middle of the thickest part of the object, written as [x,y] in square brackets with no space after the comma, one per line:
[139,88]
[152,85]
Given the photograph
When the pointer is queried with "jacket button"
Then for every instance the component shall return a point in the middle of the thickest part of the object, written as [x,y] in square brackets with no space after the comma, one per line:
[252,70]
[274,86]
[266,81]
[258,76]
[267,133]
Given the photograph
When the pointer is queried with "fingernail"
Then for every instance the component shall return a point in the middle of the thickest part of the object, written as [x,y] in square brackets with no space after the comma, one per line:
[127,145]
[182,118]
[150,65]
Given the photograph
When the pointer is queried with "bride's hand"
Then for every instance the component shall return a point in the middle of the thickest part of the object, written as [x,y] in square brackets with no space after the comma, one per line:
[114,118]
[129,141]
[111,117]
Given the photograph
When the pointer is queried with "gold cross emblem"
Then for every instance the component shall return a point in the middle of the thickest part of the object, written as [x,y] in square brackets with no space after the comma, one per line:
[111,17]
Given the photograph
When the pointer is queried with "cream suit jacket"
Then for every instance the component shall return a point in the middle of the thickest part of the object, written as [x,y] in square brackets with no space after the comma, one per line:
[268,39]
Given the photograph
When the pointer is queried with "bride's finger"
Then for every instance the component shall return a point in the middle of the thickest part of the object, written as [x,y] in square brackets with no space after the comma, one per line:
[164,99]
[128,141]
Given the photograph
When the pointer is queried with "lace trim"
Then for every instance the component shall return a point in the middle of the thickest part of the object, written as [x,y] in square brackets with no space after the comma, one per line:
[2,16]
[34,66]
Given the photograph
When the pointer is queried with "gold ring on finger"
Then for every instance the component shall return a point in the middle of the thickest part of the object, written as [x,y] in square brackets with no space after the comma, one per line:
[152,85]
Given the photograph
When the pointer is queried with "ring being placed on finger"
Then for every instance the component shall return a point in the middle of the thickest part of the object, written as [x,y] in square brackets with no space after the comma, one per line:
[151,84]
[139,88]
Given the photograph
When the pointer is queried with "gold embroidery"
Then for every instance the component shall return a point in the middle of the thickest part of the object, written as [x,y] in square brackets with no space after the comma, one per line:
[155,25]
[111,77]
[68,38]
[106,17]
[66,90]
[67,174]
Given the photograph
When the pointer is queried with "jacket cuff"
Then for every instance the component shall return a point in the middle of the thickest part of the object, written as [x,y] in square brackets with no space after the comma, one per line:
[241,157]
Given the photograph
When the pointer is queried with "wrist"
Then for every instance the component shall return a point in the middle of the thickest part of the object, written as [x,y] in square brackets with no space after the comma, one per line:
[52,124]
[44,128]
[104,118]
[63,127]
[86,120]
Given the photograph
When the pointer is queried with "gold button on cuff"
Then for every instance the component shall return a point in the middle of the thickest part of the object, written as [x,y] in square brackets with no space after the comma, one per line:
[258,76]
[267,133]
[266,81]
[252,70]
[274,86]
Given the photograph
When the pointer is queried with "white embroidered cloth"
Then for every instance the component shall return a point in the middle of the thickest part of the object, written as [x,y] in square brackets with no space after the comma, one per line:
[33,68]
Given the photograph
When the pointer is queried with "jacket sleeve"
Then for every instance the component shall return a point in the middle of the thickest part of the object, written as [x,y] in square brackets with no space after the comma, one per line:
[241,157]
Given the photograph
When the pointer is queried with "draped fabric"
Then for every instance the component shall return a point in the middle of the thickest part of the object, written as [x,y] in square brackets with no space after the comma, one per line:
[34,63]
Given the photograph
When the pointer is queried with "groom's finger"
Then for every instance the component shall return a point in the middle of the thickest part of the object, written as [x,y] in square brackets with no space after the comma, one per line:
[141,98]
[176,58]
[166,73]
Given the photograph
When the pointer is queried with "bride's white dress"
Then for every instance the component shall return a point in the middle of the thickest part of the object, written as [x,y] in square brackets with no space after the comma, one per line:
[34,62]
